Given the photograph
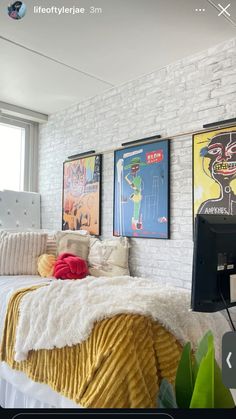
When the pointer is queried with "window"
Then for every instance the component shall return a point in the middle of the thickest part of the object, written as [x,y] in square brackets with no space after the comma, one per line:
[18,154]
[12,156]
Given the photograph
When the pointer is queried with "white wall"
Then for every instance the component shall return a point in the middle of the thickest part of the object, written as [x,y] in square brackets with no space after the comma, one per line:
[179,98]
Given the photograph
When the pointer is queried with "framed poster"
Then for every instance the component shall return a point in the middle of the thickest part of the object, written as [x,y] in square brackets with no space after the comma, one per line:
[141,191]
[81,206]
[214,172]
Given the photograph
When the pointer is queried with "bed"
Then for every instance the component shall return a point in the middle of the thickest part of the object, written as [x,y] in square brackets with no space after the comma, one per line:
[20,211]
[135,332]
[12,382]
[119,345]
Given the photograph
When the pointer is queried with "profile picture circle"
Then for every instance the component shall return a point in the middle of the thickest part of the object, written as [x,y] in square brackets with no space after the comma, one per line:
[16,10]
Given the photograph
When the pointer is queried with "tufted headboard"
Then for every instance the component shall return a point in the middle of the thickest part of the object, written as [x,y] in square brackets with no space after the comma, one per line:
[19,210]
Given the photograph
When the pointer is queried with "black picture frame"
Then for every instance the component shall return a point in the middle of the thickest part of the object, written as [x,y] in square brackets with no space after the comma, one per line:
[85,213]
[155,146]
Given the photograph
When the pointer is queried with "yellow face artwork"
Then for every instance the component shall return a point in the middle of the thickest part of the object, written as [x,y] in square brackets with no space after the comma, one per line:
[214,162]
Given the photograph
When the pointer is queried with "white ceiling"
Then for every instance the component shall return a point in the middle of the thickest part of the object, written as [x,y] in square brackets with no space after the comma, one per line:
[128,39]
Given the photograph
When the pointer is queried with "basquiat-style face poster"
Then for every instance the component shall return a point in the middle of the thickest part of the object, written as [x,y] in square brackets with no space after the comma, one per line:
[81,194]
[214,175]
[141,191]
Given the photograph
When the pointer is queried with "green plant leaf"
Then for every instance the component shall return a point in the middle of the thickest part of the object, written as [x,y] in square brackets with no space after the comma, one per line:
[201,352]
[184,379]
[166,396]
[223,397]
[203,394]
[203,347]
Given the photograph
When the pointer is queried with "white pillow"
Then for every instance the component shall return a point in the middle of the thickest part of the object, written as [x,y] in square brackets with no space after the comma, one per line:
[54,236]
[109,257]
[73,242]
[19,252]
[51,248]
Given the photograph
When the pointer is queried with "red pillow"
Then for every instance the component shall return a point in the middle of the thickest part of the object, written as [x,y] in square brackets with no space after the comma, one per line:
[69,266]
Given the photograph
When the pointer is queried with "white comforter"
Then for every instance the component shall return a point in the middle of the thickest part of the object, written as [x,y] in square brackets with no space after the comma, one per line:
[64,312]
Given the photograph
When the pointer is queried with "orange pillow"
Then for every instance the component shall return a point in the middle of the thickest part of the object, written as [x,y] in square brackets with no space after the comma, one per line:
[46,265]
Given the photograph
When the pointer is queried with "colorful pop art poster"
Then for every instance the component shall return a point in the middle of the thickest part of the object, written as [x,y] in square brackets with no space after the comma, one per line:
[214,172]
[81,206]
[141,191]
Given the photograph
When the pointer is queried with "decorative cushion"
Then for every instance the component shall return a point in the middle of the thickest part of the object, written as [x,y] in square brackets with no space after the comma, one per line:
[69,266]
[19,252]
[46,264]
[51,244]
[109,257]
[51,248]
[73,242]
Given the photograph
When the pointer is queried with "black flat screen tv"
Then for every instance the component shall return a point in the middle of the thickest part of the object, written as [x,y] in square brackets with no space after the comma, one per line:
[214,263]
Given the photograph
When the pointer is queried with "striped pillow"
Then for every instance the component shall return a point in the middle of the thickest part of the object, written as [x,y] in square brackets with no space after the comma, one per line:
[19,252]
[51,248]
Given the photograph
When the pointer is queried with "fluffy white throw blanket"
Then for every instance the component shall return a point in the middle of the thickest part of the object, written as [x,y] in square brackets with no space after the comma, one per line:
[64,312]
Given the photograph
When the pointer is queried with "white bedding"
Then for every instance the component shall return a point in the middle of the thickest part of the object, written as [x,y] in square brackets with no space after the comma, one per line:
[9,285]
[21,392]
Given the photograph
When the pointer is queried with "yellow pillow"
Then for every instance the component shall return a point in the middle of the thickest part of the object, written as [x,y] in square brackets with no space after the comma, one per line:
[46,265]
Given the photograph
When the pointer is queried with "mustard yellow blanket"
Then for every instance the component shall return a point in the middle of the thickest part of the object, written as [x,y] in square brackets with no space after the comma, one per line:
[120,365]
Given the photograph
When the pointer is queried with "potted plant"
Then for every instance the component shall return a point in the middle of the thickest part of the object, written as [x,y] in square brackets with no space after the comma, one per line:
[198,381]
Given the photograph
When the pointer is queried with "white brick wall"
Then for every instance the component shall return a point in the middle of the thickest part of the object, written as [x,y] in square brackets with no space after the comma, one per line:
[175,99]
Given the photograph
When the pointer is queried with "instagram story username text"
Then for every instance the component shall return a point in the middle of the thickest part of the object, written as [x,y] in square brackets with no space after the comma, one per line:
[67,10]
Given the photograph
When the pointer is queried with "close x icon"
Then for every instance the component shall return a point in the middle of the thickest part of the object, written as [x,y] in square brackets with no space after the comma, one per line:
[224,10]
